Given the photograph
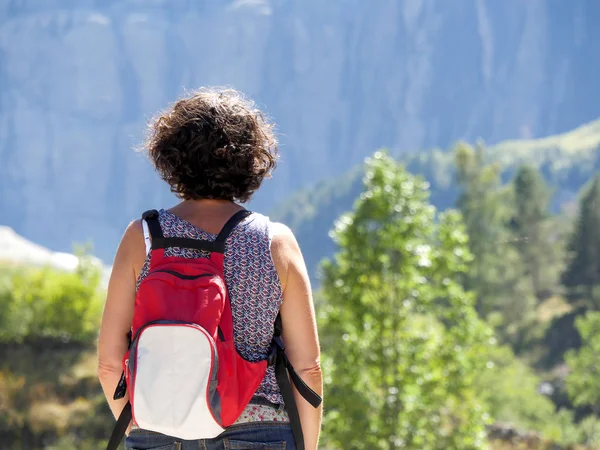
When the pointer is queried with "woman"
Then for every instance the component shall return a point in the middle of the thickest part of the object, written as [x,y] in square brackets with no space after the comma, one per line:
[214,149]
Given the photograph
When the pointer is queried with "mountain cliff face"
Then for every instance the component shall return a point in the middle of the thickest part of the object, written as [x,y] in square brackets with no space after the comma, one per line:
[79,79]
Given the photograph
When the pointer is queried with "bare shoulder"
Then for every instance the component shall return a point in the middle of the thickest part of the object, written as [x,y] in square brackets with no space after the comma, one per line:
[283,235]
[285,250]
[134,235]
[283,242]
[132,251]
[134,228]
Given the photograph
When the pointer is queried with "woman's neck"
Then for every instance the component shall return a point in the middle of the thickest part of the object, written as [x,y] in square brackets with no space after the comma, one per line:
[207,214]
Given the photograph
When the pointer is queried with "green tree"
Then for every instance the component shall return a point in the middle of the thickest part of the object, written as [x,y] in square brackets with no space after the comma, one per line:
[583,382]
[531,225]
[496,275]
[402,340]
[582,275]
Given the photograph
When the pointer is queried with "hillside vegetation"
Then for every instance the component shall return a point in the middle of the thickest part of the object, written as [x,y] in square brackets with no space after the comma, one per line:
[566,161]
[50,396]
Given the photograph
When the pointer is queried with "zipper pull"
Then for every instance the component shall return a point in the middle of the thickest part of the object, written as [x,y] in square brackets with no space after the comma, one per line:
[121,387]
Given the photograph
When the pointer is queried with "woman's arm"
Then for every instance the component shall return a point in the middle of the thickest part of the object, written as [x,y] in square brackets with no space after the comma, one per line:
[299,327]
[118,314]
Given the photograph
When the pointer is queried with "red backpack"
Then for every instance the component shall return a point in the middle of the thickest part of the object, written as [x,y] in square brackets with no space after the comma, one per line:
[184,374]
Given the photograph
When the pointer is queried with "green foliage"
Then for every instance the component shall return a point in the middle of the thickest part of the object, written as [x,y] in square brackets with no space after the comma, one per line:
[589,431]
[403,343]
[509,388]
[583,383]
[566,162]
[582,275]
[496,275]
[47,303]
[46,392]
[562,429]
[534,232]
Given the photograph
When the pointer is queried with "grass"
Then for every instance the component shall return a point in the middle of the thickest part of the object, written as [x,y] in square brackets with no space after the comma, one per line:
[586,137]
[555,306]
[580,144]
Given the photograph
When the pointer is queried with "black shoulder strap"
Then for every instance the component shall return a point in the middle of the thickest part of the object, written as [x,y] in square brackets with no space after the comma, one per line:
[231,224]
[151,218]
[216,246]
[120,428]
[284,371]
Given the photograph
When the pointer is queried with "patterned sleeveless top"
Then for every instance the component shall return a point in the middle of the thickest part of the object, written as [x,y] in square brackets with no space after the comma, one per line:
[254,291]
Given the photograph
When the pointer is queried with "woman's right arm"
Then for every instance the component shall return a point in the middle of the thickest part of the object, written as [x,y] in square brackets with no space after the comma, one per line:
[300,334]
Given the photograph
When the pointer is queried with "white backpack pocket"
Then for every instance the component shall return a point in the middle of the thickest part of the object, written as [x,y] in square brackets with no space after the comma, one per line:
[173,380]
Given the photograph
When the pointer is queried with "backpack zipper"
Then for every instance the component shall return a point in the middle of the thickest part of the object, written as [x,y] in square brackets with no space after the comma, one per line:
[184,277]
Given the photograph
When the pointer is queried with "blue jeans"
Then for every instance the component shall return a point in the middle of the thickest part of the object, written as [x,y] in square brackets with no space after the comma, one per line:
[245,436]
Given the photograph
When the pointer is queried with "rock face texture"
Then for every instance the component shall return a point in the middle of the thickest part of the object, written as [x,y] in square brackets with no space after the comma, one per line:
[80,78]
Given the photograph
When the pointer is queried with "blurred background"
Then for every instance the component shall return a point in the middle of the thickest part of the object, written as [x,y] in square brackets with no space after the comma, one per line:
[483,207]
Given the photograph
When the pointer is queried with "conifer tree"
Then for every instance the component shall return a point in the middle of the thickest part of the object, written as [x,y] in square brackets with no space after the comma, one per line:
[582,275]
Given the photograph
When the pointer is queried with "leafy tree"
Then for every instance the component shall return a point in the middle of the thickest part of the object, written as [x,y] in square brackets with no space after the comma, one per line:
[583,383]
[403,342]
[496,274]
[582,276]
[531,226]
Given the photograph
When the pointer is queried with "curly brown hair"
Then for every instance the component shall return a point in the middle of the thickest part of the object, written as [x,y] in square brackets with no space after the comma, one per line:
[215,144]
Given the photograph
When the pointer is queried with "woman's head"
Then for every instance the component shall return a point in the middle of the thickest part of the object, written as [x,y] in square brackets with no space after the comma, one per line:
[214,144]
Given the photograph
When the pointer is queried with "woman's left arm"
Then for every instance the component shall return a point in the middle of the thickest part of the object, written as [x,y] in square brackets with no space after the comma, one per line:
[118,314]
